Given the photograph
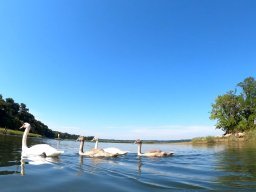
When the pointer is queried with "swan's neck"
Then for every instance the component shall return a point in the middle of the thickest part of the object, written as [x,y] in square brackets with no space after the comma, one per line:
[139,149]
[24,138]
[96,144]
[81,149]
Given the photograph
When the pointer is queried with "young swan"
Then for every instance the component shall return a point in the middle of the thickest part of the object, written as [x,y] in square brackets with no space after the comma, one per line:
[153,153]
[112,150]
[92,152]
[39,149]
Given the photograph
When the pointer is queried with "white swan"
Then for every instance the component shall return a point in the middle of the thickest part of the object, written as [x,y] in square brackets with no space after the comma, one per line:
[112,150]
[153,153]
[40,149]
[93,152]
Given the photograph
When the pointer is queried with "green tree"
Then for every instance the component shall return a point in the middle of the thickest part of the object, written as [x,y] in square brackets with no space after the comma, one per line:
[248,102]
[13,108]
[3,115]
[12,115]
[226,110]
[24,114]
[236,112]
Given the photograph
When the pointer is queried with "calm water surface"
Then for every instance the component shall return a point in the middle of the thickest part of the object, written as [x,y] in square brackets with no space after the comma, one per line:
[192,168]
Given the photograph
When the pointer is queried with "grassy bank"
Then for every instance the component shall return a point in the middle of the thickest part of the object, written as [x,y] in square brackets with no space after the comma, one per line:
[204,140]
[16,132]
[250,136]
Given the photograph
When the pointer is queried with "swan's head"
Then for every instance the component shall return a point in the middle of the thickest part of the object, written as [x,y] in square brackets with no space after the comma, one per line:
[95,139]
[138,141]
[25,126]
[80,138]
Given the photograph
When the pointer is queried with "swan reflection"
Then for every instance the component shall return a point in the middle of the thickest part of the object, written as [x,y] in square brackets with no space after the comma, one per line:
[94,165]
[36,160]
[139,165]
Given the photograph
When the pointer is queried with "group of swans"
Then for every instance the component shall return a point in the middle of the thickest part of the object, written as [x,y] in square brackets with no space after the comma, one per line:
[45,150]
[93,152]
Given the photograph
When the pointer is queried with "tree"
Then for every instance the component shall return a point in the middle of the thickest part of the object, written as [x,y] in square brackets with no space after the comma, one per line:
[227,112]
[248,102]
[12,115]
[234,112]
[2,111]
[13,108]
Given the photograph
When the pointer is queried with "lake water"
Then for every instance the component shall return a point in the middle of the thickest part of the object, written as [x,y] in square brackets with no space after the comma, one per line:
[192,168]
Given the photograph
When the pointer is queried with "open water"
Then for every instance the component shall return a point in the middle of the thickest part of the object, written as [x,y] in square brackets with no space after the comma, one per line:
[193,168]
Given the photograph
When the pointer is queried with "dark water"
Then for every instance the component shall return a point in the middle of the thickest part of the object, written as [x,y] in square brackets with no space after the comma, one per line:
[192,168]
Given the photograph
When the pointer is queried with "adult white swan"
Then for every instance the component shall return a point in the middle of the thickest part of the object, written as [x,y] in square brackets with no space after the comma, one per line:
[93,152]
[35,150]
[112,150]
[153,153]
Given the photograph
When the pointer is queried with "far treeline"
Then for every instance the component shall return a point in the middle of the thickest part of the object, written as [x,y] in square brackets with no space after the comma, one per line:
[13,115]
[235,111]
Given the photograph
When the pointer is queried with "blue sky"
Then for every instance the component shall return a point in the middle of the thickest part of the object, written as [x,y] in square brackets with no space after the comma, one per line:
[125,69]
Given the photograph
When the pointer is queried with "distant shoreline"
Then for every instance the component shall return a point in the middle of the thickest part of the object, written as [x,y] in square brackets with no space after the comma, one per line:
[146,141]
[10,132]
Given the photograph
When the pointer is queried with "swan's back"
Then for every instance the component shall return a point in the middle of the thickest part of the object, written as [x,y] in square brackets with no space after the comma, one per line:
[103,153]
[40,149]
[97,153]
[157,153]
[114,150]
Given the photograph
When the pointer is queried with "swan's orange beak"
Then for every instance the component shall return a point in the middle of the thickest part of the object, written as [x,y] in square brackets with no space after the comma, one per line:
[22,126]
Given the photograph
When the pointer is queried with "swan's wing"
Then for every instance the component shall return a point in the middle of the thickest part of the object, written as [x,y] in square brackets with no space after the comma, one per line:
[157,154]
[114,150]
[44,148]
[155,151]
[92,152]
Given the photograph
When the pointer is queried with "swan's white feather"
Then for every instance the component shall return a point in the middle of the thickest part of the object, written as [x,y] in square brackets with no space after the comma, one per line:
[115,150]
[40,149]
[112,150]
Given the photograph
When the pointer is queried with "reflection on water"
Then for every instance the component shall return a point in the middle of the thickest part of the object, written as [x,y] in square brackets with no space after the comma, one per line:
[139,165]
[238,166]
[22,167]
[9,155]
[36,160]
[192,168]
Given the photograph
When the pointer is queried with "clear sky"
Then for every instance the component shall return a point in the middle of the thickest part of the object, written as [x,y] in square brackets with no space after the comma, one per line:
[125,69]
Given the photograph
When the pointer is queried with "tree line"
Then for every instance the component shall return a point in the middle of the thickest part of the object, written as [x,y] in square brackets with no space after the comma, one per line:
[13,115]
[235,111]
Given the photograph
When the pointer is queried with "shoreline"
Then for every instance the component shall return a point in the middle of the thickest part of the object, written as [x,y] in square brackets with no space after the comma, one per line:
[11,132]
[209,140]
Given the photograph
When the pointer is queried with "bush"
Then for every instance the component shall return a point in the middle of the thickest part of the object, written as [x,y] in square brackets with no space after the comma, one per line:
[250,135]
[204,140]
